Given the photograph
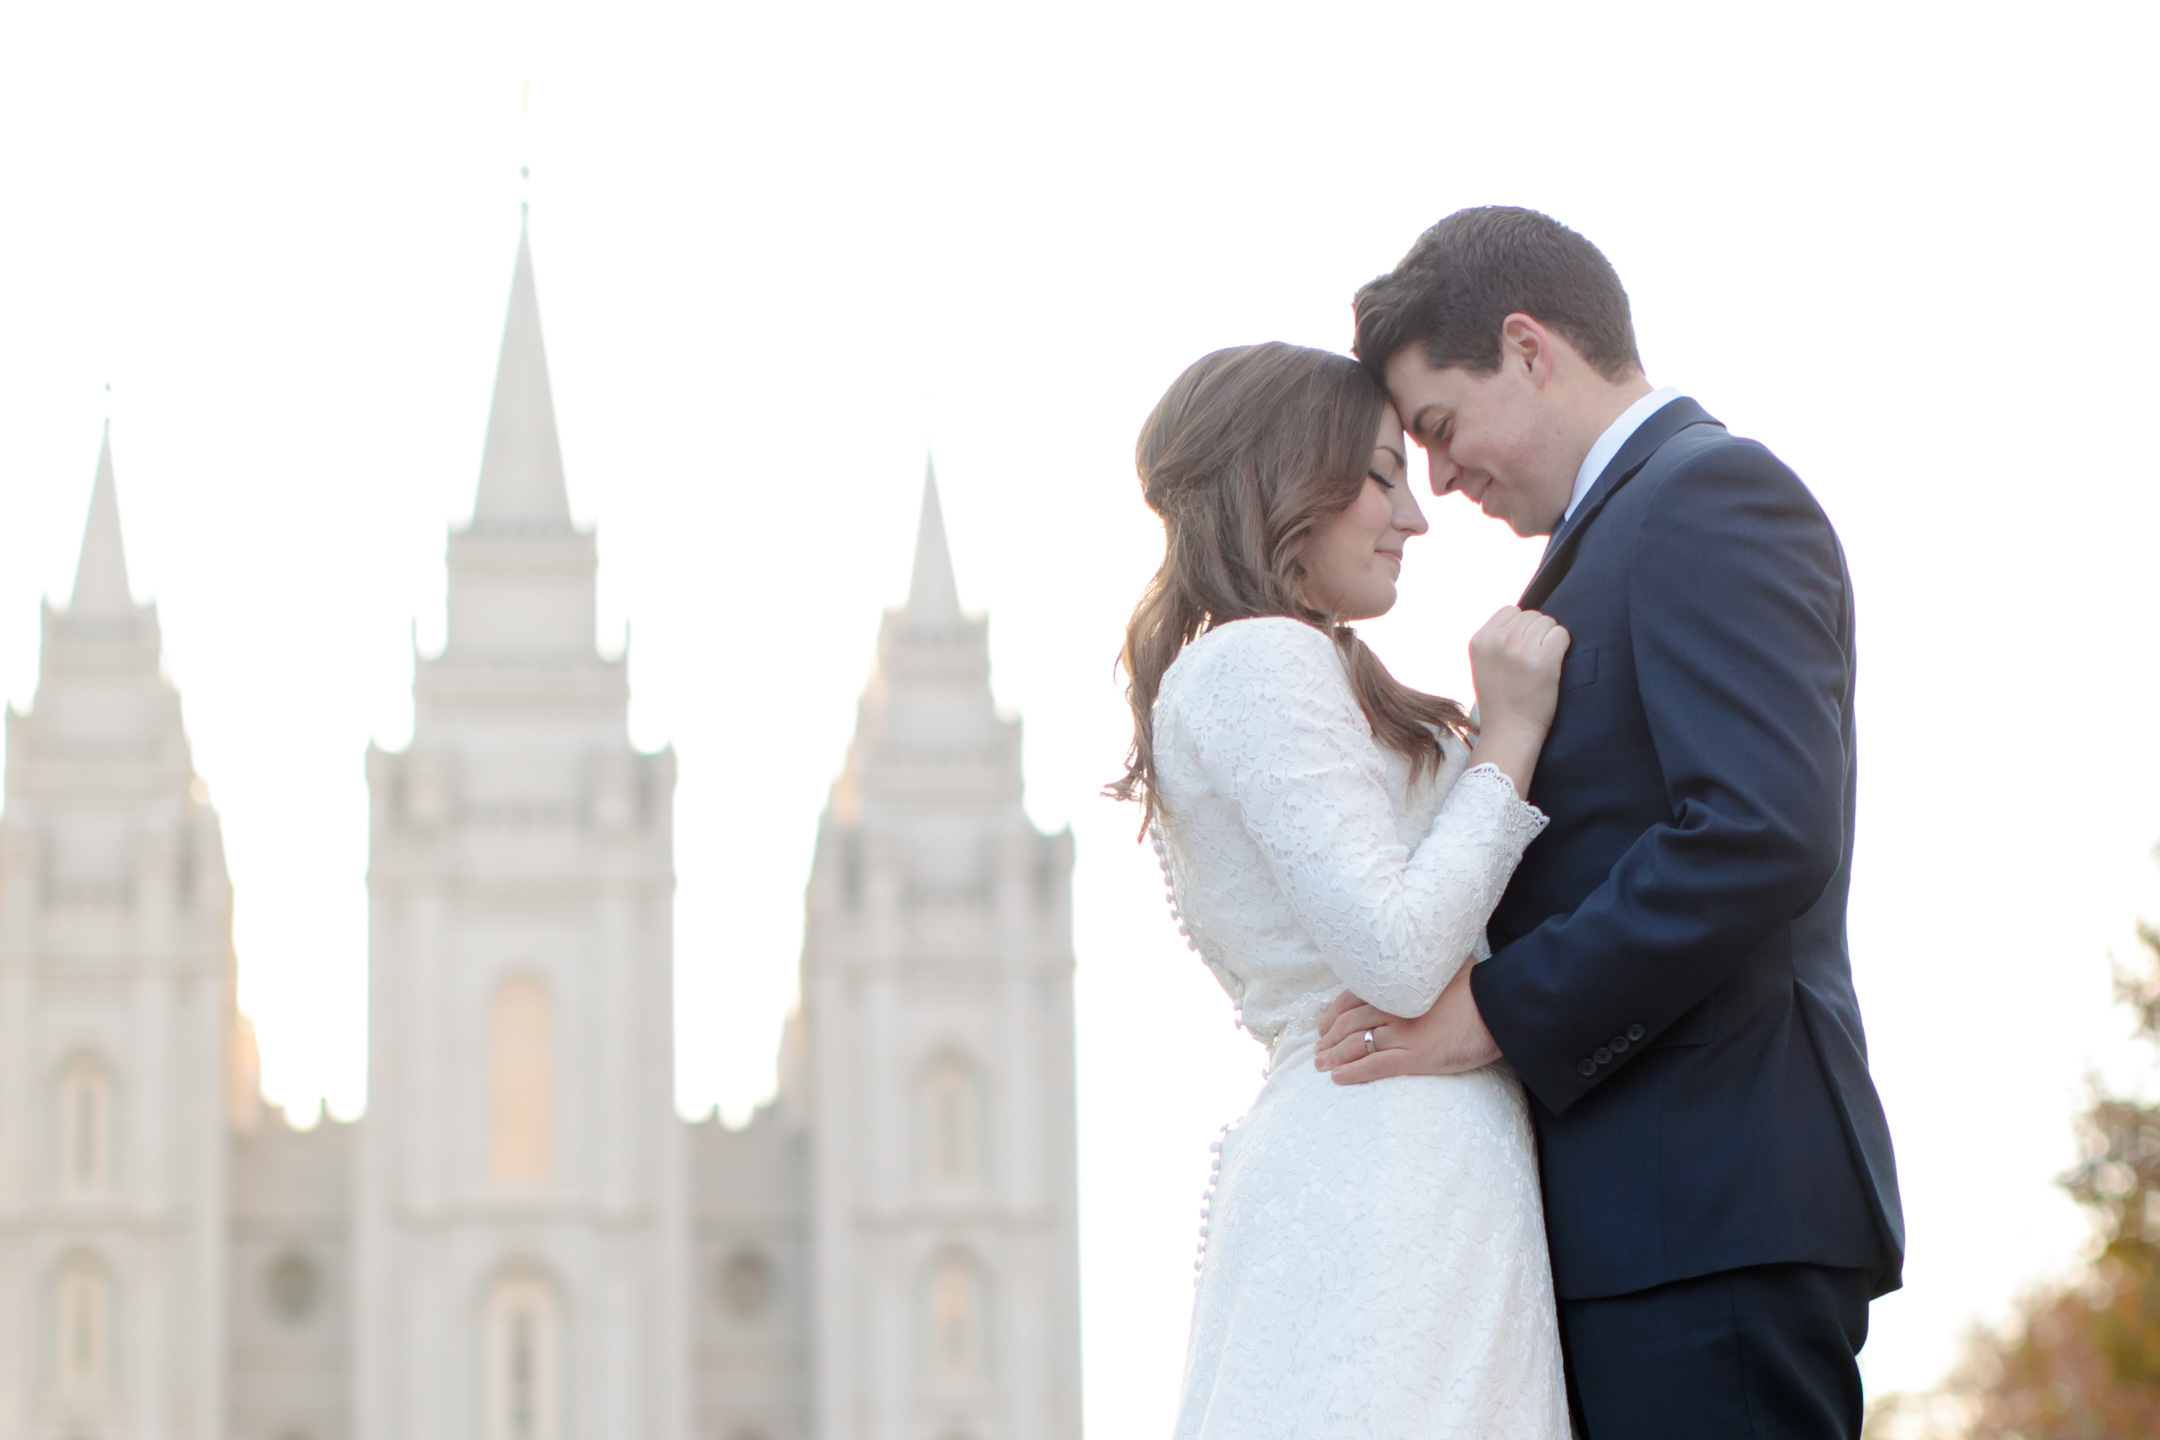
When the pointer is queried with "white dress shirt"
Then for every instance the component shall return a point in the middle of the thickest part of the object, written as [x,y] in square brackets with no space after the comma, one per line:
[1609,443]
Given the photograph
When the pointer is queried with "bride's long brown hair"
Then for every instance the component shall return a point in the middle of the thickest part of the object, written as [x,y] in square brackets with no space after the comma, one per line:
[1251,452]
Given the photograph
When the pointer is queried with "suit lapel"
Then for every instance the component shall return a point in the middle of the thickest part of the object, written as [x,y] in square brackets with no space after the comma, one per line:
[1648,439]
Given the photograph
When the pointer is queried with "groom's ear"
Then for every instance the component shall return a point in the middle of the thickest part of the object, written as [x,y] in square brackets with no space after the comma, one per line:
[1526,345]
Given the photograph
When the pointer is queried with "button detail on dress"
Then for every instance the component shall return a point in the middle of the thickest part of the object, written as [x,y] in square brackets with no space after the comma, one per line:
[1207,1201]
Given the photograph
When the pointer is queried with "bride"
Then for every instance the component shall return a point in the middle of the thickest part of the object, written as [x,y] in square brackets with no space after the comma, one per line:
[1373,1258]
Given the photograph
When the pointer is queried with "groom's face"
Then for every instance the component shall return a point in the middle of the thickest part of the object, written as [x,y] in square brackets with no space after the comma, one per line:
[1490,437]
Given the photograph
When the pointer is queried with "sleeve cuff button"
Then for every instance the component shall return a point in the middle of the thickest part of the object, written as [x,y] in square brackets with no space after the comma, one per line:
[1586,1068]
[1635,1032]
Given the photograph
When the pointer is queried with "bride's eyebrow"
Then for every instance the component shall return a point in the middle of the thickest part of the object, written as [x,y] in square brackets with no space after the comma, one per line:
[1391,450]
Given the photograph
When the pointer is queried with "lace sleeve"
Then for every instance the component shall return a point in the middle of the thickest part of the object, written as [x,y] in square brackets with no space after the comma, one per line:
[1277,729]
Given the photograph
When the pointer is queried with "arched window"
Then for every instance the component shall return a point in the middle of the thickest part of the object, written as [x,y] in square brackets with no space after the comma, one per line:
[524,1375]
[951,1125]
[293,1284]
[523,1072]
[82,1327]
[86,1127]
[959,1322]
[746,1283]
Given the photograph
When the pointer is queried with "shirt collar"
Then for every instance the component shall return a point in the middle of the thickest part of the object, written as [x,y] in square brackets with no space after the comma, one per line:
[1615,436]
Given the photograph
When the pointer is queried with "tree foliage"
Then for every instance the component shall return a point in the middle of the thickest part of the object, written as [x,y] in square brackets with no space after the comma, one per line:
[2084,1361]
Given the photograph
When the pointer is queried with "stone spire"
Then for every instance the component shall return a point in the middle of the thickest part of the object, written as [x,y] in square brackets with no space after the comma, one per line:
[933,598]
[939,923]
[521,471]
[101,579]
[928,722]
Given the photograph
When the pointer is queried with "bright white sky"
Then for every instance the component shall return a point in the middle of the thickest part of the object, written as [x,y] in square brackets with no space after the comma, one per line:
[783,249]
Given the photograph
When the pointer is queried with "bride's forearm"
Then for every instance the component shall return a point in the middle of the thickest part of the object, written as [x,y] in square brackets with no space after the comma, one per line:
[1512,749]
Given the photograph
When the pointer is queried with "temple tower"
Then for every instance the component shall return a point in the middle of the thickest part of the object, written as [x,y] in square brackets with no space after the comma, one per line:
[937,993]
[119,1045]
[521,1204]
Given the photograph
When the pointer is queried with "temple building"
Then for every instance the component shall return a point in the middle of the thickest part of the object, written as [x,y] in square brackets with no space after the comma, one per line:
[521,1239]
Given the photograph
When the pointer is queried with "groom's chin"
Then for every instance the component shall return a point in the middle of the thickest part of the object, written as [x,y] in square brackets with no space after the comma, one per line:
[1529,527]
[1494,507]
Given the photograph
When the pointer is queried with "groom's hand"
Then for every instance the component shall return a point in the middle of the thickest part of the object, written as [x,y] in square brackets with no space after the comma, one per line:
[1448,1039]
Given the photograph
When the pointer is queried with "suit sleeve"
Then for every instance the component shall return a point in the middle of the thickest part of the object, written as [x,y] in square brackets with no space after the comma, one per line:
[1739,633]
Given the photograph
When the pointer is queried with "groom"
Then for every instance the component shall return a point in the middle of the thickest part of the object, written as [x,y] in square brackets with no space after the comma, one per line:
[1669,977]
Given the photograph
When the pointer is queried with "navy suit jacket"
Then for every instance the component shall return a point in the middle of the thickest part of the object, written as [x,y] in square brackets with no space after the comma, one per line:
[1670,978]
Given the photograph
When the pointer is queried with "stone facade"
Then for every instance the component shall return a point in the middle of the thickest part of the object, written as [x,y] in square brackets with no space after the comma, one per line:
[117,1035]
[521,1240]
[937,998]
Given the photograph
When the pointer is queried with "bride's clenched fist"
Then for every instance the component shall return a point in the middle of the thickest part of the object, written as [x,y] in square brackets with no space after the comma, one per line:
[1515,663]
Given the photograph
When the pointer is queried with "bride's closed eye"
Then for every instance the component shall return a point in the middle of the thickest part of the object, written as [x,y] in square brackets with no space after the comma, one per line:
[1376,475]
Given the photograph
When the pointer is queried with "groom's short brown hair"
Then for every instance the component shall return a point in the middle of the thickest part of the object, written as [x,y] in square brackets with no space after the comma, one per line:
[1471,271]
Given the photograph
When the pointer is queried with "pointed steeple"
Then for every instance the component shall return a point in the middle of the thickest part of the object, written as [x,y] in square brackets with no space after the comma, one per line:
[101,579]
[933,598]
[521,471]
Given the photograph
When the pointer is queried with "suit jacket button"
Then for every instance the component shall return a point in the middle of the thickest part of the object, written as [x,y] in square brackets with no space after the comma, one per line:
[1618,1044]
[1602,1055]
[1634,1032]
[1586,1068]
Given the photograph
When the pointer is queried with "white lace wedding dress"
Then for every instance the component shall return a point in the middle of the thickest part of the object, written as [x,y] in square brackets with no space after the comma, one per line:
[1373,1256]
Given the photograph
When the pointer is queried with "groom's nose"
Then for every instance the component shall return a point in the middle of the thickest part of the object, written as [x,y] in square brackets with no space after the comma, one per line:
[1441,471]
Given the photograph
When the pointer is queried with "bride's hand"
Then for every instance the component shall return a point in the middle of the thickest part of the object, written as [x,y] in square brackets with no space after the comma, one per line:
[1515,664]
